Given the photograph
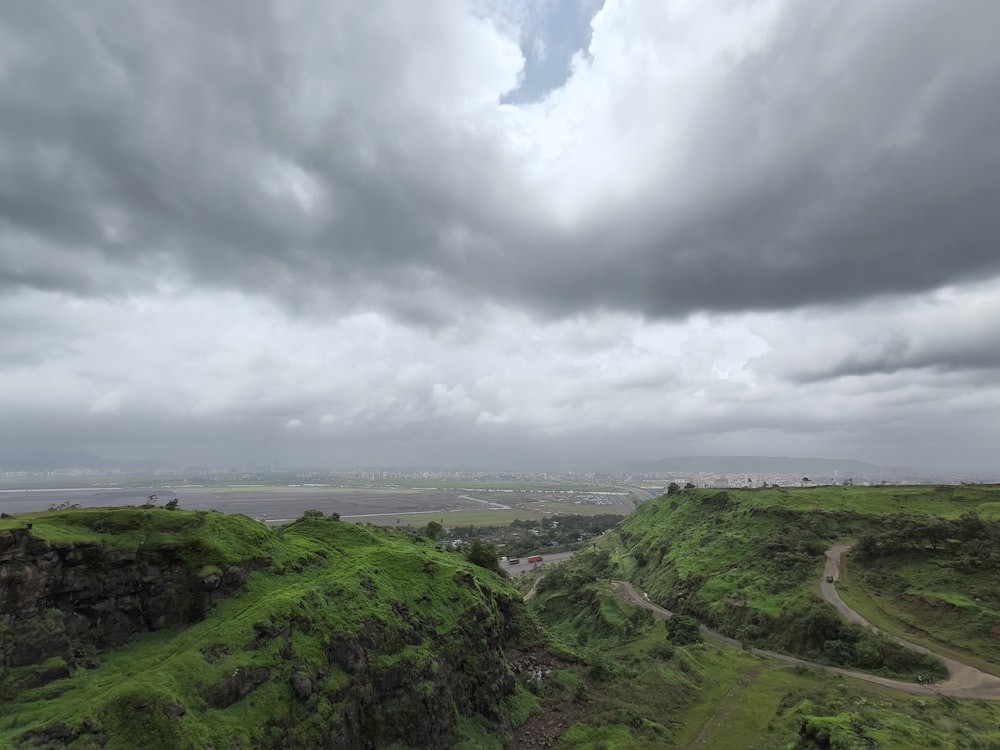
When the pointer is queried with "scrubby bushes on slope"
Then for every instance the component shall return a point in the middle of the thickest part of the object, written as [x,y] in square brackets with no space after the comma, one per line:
[747,565]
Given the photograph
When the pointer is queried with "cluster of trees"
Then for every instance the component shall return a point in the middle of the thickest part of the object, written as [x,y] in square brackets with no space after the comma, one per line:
[815,631]
[675,489]
[970,542]
[524,537]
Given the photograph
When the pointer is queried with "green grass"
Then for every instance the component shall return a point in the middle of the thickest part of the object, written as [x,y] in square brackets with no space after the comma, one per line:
[943,501]
[952,624]
[397,588]
[746,562]
[213,536]
[717,697]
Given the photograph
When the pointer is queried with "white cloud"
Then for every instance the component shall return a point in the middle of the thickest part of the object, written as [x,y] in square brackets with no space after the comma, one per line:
[739,225]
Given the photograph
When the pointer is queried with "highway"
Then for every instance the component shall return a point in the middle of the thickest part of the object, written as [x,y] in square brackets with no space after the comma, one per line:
[524,566]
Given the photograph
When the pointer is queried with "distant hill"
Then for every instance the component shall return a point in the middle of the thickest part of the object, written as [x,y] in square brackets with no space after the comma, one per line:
[818,468]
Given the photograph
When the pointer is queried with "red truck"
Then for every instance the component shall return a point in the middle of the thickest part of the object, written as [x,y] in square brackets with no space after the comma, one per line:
[535,558]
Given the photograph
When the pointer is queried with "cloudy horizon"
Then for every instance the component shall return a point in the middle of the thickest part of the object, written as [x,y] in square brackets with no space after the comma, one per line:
[500,233]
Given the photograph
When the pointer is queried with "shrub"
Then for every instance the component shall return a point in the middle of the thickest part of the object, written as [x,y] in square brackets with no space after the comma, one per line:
[682,630]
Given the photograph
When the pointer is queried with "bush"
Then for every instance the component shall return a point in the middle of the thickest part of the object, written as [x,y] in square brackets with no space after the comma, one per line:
[484,555]
[682,630]
[663,651]
[600,669]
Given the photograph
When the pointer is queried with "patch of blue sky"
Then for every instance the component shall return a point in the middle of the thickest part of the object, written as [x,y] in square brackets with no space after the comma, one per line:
[551,34]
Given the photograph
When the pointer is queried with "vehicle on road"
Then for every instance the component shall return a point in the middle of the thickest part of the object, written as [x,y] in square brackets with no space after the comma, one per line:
[829,579]
[514,561]
[535,559]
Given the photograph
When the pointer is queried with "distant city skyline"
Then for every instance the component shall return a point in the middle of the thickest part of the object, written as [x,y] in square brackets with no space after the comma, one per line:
[716,471]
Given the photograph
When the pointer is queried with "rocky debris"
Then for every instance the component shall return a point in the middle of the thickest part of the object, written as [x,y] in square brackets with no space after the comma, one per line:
[346,653]
[302,686]
[173,710]
[264,634]
[59,734]
[525,662]
[215,653]
[544,728]
[236,687]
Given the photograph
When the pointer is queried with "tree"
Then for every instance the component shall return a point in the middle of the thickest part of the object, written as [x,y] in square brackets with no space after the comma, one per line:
[682,630]
[171,504]
[805,481]
[673,488]
[433,530]
[484,555]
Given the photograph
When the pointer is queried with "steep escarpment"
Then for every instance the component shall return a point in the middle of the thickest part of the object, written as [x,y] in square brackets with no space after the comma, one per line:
[77,581]
[204,630]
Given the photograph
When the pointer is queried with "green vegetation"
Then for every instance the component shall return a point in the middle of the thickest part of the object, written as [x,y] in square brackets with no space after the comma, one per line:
[344,632]
[683,631]
[484,555]
[332,634]
[746,563]
[638,690]
[527,536]
[933,580]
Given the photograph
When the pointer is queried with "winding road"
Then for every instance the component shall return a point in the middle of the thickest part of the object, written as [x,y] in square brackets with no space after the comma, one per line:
[964,681]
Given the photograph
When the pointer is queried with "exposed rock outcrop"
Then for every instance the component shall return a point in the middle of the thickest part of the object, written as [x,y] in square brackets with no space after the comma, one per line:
[57,598]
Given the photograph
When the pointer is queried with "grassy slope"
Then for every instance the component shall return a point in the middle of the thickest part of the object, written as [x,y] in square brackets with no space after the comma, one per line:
[714,697]
[366,574]
[747,561]
[934,596]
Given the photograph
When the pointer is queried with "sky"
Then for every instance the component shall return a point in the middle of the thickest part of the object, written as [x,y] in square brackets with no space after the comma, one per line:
[499,234]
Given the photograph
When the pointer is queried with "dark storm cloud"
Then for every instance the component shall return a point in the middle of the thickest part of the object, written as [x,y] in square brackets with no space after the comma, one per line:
[314,154]
[898,355]
[857,155]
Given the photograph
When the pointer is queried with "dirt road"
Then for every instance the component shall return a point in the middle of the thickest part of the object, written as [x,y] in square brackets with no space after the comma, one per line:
[963,681]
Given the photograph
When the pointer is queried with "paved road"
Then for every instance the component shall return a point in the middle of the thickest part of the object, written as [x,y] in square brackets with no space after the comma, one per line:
[963,680]
[524,566]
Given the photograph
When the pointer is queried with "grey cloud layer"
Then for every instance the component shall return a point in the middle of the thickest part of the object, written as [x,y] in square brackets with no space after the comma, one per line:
[320,155]
[311,232]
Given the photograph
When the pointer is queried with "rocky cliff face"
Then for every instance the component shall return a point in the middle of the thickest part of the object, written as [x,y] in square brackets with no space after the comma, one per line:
[64,599]
[341,637]
[413,700]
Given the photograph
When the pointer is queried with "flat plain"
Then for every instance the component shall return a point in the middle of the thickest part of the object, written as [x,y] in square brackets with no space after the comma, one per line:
[383,506]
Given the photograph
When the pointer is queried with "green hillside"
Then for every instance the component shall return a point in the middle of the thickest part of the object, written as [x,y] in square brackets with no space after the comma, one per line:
[747,562]
[322,634]
[155,628]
